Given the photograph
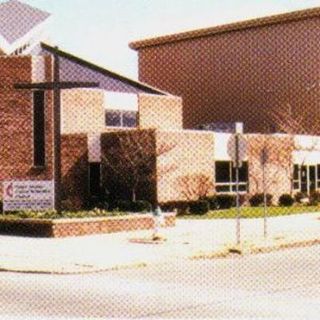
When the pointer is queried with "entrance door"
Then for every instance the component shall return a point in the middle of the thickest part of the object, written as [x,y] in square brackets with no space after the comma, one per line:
[312,178]
[304,179]
[308,179]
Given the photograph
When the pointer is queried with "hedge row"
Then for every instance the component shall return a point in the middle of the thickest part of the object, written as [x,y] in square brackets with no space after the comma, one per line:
[122,205]
[202,206]
[286,200]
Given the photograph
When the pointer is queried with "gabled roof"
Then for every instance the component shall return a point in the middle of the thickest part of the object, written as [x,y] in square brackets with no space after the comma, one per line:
[237,26]
[17,19]
[95,71]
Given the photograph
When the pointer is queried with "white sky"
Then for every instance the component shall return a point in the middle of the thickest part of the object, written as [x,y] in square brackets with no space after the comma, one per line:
[100,30]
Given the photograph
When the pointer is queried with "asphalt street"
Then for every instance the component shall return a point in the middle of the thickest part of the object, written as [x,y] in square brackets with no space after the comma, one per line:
[278,285]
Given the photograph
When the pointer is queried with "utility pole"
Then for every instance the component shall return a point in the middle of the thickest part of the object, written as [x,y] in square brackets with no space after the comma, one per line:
[264,159]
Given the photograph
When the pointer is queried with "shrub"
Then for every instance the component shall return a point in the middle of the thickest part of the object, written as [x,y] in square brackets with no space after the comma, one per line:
[199,207]
[299,196]
[97,203]
[286,200]
[141,206]
[213,202]
[226,201]
[314,198]
[1,206]
[258,199]
[122,205]
[182,207]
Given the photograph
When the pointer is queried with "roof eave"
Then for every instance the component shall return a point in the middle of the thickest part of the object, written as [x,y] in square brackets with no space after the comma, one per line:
[236,26]
[139,85]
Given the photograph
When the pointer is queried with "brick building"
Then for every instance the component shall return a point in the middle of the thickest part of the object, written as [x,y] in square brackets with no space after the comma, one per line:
[120,120]
[248,71]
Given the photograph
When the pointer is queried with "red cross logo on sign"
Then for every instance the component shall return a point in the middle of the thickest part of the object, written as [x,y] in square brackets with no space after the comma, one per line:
[9,190]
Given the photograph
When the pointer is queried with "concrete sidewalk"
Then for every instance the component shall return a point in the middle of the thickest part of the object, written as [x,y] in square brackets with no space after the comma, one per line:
[189,239]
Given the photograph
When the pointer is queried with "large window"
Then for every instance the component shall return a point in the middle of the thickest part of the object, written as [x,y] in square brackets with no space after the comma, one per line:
[306,178]
[226,177]
[38,129]
[119,118]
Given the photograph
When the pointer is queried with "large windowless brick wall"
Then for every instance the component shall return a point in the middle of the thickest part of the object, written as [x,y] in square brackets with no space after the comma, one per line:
[16,122]
[241,72]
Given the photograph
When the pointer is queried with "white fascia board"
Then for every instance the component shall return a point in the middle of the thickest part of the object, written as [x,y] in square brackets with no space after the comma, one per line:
[303,157]
[34,36]
[120,101]
[4,45]
[307,142]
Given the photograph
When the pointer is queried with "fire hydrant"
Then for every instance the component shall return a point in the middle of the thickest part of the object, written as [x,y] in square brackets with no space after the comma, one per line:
[159,222]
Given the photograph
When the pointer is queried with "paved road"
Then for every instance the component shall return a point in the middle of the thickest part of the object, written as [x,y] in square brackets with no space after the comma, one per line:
[279,285]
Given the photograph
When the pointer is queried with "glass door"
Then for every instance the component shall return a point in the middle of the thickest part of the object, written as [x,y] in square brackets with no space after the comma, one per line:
[312,178]
[304,179]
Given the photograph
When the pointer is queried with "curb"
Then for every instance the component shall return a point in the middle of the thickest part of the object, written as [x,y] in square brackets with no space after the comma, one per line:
[65,271]
[229,251]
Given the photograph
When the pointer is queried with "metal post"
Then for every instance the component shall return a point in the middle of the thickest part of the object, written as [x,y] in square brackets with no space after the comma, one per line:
[237,188]
[57,133]
[264,199]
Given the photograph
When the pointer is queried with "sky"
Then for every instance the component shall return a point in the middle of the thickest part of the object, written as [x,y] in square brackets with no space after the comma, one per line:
[100,30]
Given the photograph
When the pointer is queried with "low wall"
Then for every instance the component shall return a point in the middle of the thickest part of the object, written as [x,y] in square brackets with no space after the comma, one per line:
[60,228]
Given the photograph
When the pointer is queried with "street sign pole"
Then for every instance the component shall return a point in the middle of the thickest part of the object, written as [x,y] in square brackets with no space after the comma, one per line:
[237,189]
[239,130]
[264,160]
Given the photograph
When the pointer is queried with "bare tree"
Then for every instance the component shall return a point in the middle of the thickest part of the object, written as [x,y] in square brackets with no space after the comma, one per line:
[195,186]
[292,123]
[132,158]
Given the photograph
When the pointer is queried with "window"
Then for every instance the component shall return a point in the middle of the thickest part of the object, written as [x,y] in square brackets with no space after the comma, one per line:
[118,118]
[306,178]
[318,176]
[38,129]
[226,177]
[94,178]
[296,177]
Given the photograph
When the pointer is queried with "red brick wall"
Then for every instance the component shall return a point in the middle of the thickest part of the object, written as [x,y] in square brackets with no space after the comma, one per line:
[161,112]
[241,75]
[78,227]
[74,169]
[16,116]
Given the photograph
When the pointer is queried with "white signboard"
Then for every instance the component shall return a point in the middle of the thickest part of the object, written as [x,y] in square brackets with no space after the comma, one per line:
[28,195]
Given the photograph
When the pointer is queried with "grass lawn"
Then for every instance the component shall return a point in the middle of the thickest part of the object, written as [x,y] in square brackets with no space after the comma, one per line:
[253,212]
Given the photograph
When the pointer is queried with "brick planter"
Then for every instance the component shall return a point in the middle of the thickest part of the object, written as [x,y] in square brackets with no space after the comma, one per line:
[59,228]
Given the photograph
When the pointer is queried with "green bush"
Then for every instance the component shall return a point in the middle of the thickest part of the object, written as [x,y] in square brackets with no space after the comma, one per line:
[286,200]
[199,207]
[213,202]
[122,205]
[97,203]
[226,201]
[314,198]
[182,207]
[141,206]
[299,196]
[132,206]
[258,199]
